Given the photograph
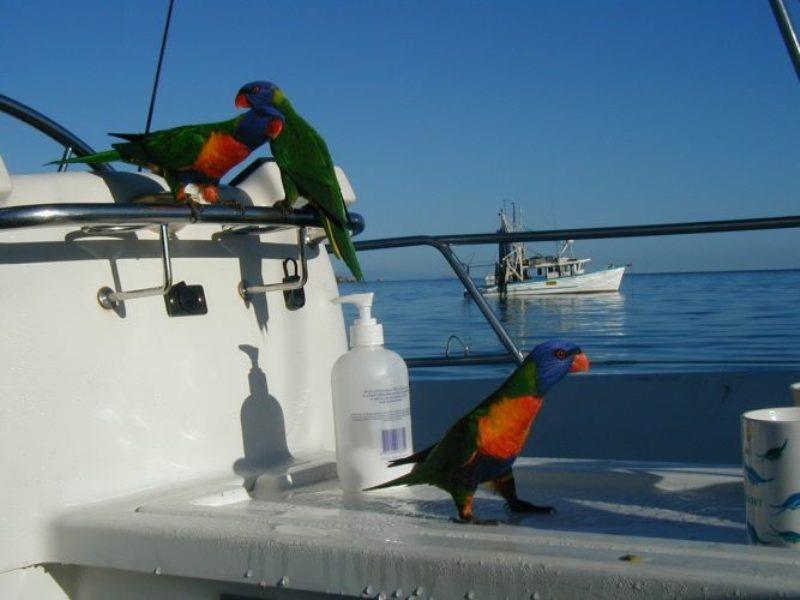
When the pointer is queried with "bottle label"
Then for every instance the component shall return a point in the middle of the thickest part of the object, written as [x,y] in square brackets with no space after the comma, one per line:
[390,407]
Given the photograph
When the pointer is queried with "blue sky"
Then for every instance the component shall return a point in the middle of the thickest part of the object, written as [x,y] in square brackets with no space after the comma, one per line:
[585,113]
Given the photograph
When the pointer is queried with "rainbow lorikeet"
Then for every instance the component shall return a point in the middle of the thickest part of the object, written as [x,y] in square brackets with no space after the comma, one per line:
[194,154]
[306,168]
[482,446]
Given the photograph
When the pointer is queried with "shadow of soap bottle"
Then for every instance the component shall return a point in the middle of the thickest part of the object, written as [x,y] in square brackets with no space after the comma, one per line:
[263,426]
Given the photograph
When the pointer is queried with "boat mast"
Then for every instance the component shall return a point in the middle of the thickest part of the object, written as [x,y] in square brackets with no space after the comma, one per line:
[512,258]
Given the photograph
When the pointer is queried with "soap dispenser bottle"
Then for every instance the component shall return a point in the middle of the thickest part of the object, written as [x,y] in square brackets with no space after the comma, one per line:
[371,405]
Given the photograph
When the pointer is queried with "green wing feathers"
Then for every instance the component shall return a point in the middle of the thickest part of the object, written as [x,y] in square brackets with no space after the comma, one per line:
[97,157]
[303,157]
[176,148]
[342,246]
[412,478]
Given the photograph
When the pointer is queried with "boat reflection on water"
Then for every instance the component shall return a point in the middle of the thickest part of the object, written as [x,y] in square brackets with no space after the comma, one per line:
[597,320]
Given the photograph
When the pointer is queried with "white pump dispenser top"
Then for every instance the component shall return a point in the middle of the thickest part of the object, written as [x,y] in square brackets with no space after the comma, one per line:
[365,330]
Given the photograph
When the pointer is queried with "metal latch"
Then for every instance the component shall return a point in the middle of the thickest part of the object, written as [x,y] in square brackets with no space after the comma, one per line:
[185,300]
[293,282]
[293,297]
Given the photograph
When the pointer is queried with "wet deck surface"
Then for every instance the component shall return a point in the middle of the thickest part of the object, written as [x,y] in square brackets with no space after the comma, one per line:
[634,499]
[683,527]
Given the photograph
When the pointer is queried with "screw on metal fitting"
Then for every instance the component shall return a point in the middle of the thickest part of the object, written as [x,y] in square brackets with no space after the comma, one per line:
[104,297]
[242,289]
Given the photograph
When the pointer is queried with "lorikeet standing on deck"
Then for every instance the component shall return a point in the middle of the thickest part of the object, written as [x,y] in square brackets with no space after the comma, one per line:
[482,445]
[194,154]
[306,168]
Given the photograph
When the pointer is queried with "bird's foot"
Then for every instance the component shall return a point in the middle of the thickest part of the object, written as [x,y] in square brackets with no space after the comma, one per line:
[475,521]
[195,208]
[527,507]
[210,193]
[284,207]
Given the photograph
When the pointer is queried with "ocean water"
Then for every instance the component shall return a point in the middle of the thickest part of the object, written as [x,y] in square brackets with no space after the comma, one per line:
[740,320]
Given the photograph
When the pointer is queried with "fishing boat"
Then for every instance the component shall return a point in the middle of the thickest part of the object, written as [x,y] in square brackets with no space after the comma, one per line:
[517,274]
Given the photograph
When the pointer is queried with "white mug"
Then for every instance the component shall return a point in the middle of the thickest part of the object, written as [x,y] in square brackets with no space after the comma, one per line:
[771,464]
[795,387]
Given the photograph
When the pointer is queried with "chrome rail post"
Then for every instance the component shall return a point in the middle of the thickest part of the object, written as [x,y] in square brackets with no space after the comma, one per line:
[788,32]
[108,298]
[476,296]
[245,291]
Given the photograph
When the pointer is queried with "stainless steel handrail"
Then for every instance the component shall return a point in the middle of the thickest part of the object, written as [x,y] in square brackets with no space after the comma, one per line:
[589,233]
[421,362]
[97,219]
[51,215]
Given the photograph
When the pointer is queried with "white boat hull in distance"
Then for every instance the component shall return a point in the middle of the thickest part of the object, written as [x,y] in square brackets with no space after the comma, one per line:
[589,283]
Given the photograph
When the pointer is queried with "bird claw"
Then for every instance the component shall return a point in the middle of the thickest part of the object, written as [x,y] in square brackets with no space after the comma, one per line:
[284,207]
[195,208]
[475,521]
[527,507]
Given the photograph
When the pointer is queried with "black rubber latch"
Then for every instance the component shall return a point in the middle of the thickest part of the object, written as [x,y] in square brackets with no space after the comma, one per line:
[186,300]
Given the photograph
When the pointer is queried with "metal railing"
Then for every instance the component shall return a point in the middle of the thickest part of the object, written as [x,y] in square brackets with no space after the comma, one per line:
[444,243]
[252,219]
[113,219]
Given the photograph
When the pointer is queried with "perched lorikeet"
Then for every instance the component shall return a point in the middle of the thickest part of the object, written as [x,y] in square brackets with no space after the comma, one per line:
[482,445]
[306,168]
[194,154]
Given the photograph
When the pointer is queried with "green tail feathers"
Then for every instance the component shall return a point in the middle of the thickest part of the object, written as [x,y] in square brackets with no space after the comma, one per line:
[98,157]
[342,246]
[408,479]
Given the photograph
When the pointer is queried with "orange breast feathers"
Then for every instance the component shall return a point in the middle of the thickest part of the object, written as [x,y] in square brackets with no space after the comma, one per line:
[502,432]
[220,154]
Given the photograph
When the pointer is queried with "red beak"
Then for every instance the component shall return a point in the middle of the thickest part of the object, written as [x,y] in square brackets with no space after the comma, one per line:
[579,363]
[242,101]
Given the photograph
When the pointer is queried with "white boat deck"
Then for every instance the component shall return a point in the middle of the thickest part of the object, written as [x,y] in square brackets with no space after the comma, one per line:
[622,530]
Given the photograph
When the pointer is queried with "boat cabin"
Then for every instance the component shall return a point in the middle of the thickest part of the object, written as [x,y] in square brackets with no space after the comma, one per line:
[551,267]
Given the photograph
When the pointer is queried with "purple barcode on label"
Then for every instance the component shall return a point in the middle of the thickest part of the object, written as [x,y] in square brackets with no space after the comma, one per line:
[394,440]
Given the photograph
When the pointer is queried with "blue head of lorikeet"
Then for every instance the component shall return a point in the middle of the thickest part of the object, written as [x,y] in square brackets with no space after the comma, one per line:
[554,359]
[259,125]
[257,94]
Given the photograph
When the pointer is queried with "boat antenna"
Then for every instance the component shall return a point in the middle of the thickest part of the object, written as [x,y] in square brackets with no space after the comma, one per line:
[788,32]
[158,70]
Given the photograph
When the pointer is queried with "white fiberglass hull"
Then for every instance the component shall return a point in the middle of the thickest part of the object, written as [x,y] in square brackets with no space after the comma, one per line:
[590,283]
